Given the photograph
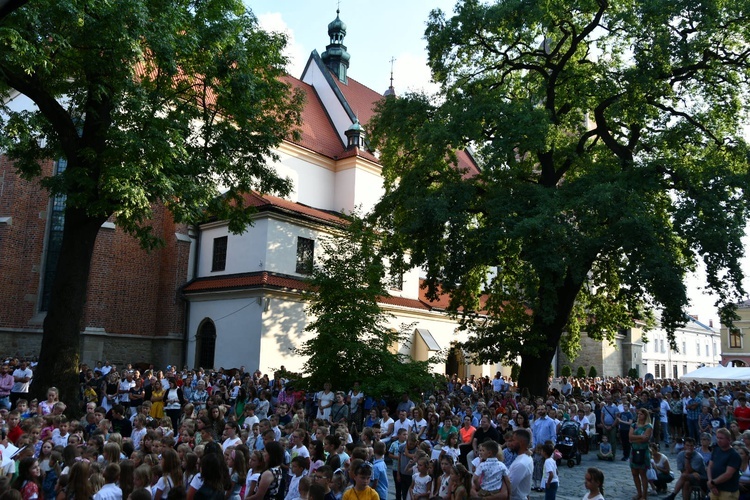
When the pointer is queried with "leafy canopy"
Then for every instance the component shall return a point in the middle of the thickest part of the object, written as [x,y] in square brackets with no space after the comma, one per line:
[610,141]
[167,101]
[352,339]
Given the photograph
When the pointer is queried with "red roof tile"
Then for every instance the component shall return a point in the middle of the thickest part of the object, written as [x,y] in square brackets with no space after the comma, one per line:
[361,99]
[266,201]
[404,302]
[249,280]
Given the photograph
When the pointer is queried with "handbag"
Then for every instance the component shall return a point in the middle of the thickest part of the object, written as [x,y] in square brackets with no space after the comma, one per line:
[651,474]
[638,457]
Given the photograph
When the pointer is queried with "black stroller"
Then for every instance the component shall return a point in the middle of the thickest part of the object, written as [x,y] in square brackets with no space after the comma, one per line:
[567,442]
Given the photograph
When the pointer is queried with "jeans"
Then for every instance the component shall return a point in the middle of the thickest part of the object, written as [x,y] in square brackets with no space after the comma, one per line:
[402,487]
[665,433]
[693,429]
[625,440]
[550,491]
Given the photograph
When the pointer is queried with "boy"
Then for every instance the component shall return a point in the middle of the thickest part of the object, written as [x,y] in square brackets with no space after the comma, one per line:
[322,477]
[60,435]
[298,467]
[110,490]
[379,471]
[550,481]
[361,490]
[14,429]
[491,474]
[605,449]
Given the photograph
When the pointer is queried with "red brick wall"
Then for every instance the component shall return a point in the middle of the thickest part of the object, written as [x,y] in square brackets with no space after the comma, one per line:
[131,291]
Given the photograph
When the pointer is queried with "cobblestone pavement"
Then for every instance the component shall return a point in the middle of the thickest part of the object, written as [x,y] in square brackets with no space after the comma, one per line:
[618,482]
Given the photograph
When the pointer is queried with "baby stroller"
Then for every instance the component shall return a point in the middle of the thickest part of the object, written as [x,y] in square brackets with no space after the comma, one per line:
[567,442]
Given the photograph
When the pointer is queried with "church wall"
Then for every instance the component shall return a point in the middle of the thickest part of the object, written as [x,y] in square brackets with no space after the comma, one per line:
[368,189]
[345,196]
[283,331]
[245,252]
[281,254]
[314,185]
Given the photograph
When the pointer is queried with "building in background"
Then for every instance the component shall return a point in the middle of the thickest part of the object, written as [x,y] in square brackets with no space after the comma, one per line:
[735,348]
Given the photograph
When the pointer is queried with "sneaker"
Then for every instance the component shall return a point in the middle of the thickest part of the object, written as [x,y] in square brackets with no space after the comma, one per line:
[671,496]
[623,459]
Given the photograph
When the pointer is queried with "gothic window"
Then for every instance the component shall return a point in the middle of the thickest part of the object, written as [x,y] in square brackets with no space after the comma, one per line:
[219,260]
[305,255]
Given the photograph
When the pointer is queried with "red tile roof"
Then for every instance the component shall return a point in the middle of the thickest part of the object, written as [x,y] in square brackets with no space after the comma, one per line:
[317,133]
[268,202]
[361,98]
[248,280]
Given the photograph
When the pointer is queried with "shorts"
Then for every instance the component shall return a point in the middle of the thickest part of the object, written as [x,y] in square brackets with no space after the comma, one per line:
[486,493]
[725,495]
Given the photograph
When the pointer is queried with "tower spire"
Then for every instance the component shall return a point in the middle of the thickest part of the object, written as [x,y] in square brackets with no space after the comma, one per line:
[335,57]
[391,90]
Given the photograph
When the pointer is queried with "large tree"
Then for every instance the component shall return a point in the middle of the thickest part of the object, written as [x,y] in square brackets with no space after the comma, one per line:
[610,141]
[149,102]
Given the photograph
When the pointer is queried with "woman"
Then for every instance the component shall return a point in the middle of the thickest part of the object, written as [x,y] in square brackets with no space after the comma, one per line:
[173,402]
[270,479]
[111,386]
[418,424]
[45,407]
[640,461]
[705,448]
[660,465]
[157,400]
[466,435]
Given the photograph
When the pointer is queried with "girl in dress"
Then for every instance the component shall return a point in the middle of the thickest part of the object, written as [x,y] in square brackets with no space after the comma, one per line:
[451,447]
[157,400]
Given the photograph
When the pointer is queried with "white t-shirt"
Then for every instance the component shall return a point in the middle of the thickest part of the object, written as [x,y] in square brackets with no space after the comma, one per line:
[550,466]
[520,477]
[597,497]
[164,485]
[22,386]
[230,442]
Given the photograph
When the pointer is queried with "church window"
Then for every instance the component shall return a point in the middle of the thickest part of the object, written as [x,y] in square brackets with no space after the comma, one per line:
[305,255]
[219,261]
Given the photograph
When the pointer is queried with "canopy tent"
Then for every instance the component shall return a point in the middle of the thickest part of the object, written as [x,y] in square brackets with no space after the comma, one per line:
[718,374]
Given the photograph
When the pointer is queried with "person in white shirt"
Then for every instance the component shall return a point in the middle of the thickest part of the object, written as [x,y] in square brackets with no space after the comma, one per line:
[521,469]
[325,401]
[231,429]
[401,423]
[110,490]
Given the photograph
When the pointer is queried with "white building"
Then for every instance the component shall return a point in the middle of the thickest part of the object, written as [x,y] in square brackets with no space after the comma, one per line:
[697,345]
[244,304]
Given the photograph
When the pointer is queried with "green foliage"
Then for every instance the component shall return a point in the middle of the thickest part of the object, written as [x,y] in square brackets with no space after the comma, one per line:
[565,371]
[633,373]
[592,372]
[150,102]
[610,141]
[352,340]
[581,372]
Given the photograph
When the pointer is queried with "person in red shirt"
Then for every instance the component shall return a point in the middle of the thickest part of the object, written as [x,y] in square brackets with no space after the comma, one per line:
[742,413]
[14,429]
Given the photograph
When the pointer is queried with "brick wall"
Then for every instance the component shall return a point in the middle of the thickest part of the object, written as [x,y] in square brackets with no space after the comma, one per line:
[130,291]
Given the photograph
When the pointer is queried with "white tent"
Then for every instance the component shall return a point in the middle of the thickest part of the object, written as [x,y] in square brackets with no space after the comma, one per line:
[718,374]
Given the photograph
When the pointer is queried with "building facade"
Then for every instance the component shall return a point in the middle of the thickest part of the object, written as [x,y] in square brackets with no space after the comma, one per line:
[735,351]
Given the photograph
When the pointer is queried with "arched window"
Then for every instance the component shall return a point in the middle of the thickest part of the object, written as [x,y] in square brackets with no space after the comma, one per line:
[738,362]
[205,347]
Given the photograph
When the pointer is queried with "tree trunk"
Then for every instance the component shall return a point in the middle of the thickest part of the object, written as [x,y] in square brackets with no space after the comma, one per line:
[534,373]
[59,357]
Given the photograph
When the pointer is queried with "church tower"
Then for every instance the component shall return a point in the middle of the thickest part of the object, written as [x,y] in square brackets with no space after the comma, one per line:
[335,57]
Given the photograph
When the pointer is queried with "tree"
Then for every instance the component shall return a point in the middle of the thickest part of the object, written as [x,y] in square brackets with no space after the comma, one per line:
[610,144]
[581,372]
[149,102]
[565,371]
[592,372]
[352,340]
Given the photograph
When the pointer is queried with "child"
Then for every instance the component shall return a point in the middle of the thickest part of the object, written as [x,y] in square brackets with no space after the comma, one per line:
[238,471]
[304,487]
[298,467]
[451,447]
[379,471]
[171,474]
[422,482]
[605,450]
[443,481]
[361,489]
[394,452]
[460,484]
[491,474]
[594,482]
[28,480]
[110,490]
[60,434]
[52,475]
[538,460]
[550,481]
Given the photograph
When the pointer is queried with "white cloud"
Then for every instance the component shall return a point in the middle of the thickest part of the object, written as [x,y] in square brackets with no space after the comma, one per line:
[411,73]
[295,52]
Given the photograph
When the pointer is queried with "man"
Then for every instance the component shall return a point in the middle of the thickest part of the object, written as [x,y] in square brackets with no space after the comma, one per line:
[544,428]
[663,418]
[6,384]
[119,422]
[283,412]
[522,467]
[484,432]
[123,390]
[742,413]
[609,416]
[22,380]
[723,478]
[401,423]
[692,471]
[405,404]
[693,412]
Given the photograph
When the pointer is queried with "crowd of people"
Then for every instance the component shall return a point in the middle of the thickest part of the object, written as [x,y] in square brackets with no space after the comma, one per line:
[199,435]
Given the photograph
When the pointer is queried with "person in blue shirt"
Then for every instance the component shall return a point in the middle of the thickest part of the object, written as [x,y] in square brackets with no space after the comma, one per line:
[379,480]
[544,428]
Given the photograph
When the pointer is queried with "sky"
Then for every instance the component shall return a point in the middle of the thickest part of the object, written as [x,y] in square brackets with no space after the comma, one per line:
[378,31]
